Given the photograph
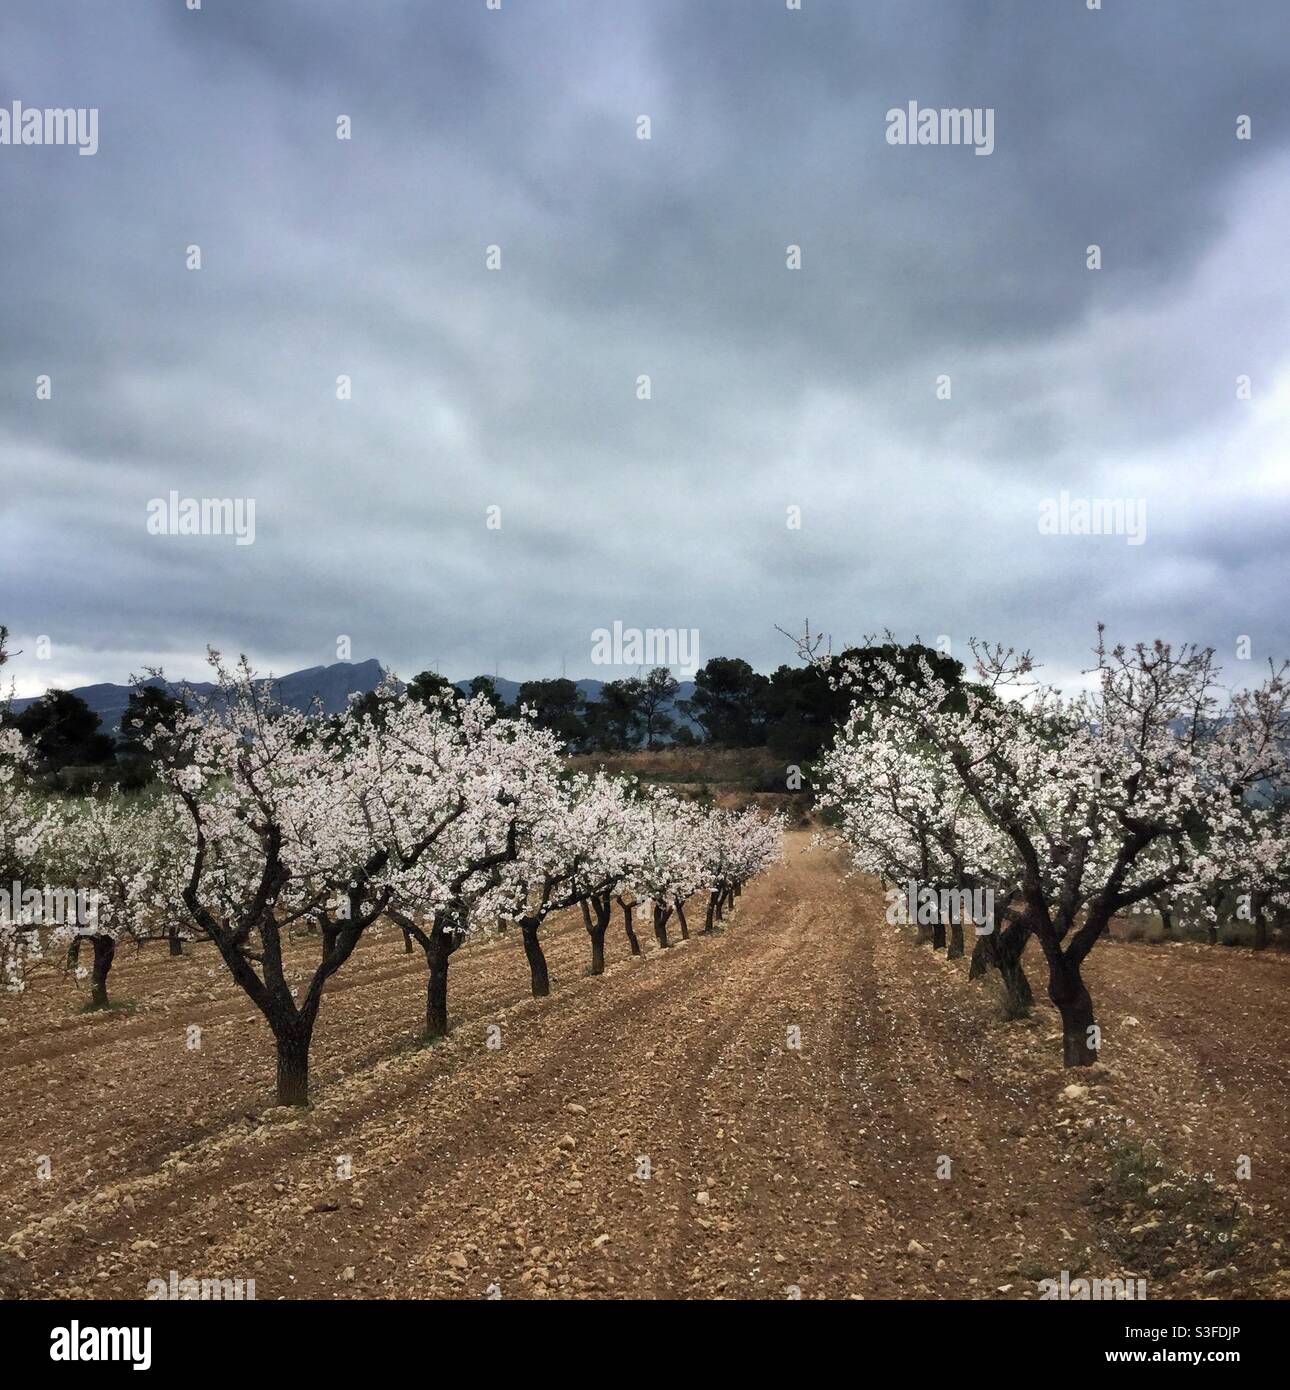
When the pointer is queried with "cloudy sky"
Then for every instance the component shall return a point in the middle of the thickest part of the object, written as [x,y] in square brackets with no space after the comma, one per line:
[517,388]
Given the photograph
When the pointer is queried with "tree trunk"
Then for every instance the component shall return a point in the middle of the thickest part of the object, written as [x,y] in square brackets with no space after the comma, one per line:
[597,933]
[709,922]
[1020,996]
[660,926]
[938,933]
[598,925]
[685,926]
[74,952]
[539,979]
[104,953]
[437,954]
[630,930]
[1260,926]
[956,939]
[407,942]
[1003,952]
[293,1036]
[984,955]
[1067,990]
[172,936]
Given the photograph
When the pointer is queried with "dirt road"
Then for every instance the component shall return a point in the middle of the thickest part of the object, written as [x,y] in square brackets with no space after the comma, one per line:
[807,1104]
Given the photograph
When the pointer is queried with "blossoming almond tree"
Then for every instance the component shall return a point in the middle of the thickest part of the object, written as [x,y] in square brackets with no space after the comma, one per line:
[1107,797]
[1261,868]
[733,847]
[459,791]
[124,856]
[684,848]
[605,841]
[670,864]
[1247,872]
[906,818]
[26,825]
[280,832]
[579,852]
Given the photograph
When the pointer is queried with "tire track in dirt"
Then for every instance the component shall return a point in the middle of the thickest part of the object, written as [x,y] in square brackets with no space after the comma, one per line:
[562,1172]
[765,1100]
[758,950]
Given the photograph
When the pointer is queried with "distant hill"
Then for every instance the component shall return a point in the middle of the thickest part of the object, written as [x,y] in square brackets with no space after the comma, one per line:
[331,685]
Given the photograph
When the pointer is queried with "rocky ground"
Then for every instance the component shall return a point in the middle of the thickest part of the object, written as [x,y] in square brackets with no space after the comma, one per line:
[807,1104]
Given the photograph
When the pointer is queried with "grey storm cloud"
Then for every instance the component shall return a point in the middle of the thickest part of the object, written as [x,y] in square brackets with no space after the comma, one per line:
[516,388]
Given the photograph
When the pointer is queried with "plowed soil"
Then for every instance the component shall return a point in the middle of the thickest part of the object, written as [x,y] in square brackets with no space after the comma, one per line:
[805,1104]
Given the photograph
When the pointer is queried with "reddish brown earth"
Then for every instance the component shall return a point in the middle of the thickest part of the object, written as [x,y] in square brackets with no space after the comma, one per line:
[773,1170]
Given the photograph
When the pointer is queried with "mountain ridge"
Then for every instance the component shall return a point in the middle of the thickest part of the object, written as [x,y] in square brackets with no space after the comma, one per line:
[331,685]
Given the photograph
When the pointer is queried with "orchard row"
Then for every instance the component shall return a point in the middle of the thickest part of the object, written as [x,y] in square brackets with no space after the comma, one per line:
[1156,785]
[442,816]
